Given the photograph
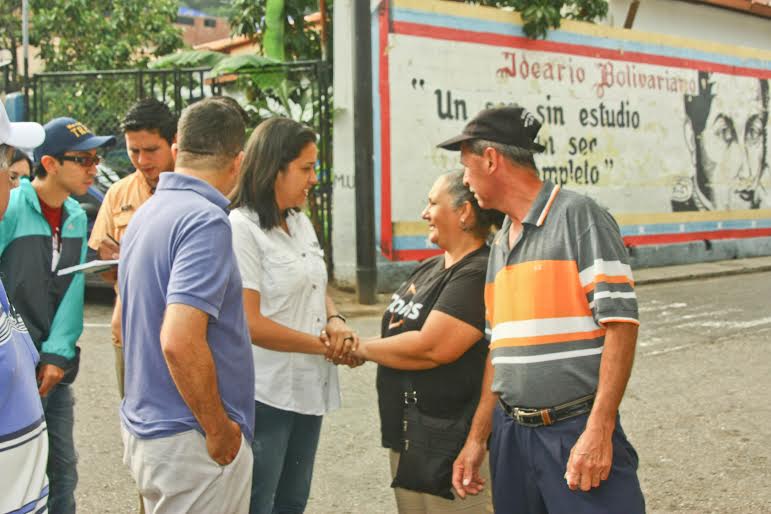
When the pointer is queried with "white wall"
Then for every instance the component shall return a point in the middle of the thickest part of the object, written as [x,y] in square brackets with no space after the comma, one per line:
[670,17]
[689,20]
[343,196]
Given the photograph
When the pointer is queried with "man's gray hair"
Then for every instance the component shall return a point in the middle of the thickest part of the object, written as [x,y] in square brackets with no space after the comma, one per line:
[515,154]
[6,155]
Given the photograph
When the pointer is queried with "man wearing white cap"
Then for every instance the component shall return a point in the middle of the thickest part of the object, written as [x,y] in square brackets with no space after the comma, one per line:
[44,231]
[23,438]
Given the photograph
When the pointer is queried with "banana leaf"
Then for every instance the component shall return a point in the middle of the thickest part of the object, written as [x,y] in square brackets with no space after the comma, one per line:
[188,59]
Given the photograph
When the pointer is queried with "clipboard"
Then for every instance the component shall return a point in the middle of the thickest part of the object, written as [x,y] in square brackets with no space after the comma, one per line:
[96,266]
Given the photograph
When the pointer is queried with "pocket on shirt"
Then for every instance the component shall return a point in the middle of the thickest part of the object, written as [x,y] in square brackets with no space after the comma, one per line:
[318,264]
[121,219]
[284,274]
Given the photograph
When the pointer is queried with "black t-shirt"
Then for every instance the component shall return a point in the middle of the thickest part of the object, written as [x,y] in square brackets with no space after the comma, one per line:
[446,390]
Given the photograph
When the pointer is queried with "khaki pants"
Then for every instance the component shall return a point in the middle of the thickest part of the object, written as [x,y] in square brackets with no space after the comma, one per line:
[411,502]
[115,325]
[176,475]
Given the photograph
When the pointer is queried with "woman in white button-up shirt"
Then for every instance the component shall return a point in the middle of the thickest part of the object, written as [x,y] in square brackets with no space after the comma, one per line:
[296,331]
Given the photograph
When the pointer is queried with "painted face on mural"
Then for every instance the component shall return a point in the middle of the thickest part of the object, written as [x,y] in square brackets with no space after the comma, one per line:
[727,133]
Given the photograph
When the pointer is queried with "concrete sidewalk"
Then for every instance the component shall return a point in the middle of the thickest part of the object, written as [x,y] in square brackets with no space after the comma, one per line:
[646,276]
[346,300]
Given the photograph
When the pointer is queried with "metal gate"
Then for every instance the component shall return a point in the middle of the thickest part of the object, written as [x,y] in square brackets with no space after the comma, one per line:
[299,90]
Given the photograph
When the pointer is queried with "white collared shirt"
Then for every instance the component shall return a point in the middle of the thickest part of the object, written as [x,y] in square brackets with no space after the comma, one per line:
[289,272]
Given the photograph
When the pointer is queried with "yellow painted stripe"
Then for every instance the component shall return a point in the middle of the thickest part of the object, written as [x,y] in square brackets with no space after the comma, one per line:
[685,217]
[410,228]
[577,27]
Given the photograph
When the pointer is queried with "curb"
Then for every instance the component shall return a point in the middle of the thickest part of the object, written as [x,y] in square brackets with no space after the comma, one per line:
[692,272]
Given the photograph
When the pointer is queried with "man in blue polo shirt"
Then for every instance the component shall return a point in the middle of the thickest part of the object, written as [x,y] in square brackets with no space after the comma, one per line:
[188,409]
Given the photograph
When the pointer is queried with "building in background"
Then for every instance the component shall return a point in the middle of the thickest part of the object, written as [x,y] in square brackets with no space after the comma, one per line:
[643,164]
[199,28]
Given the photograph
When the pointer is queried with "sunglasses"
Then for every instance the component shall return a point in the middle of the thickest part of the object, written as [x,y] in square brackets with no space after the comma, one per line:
[86,162]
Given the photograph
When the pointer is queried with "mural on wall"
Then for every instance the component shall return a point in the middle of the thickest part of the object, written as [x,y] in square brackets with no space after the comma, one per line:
[672,139]
[726,130]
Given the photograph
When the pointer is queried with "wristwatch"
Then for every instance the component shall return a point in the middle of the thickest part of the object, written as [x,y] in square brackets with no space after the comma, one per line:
[338,315]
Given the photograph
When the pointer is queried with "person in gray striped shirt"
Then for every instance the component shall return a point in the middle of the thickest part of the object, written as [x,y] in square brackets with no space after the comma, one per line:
[562,322]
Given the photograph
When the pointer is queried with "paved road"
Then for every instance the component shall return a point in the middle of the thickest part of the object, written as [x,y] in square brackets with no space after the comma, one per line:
[697,409]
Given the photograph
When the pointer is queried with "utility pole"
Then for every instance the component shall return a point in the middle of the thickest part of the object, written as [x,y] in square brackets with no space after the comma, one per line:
[25,46]
[366,269]
[323,13]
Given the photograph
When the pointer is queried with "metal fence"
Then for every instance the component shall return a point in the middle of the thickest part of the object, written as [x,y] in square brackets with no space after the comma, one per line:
[298,90]
[101,98]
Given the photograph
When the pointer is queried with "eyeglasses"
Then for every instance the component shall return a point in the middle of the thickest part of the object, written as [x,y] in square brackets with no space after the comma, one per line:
[86,162]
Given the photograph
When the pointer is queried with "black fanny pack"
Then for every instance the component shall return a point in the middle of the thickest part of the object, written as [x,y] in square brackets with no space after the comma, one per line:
[430,445]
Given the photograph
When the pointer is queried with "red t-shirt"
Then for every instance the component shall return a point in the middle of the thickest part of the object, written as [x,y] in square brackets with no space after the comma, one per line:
[53,216]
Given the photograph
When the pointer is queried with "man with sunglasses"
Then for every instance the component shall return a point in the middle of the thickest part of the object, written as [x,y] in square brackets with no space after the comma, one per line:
[44,230]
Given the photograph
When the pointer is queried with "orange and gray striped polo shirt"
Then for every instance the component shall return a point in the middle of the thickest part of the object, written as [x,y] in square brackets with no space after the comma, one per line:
[547,299]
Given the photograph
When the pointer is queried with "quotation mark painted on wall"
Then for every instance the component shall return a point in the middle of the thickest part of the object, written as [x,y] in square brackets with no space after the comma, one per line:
[418,82]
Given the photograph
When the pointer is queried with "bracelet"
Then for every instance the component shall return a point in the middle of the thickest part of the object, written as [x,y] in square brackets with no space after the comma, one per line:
[338,315]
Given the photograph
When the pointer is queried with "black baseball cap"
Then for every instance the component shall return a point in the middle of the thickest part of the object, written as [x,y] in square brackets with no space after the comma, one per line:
[510,125]
[69,135]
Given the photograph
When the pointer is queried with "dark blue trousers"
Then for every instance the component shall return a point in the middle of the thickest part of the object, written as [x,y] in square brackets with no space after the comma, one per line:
[527,467]
[284,449]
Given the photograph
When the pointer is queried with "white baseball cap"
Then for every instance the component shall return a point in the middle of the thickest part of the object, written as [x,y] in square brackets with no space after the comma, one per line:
[20,134]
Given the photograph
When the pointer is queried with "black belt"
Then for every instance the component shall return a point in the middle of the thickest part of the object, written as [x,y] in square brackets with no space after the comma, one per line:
[549,416]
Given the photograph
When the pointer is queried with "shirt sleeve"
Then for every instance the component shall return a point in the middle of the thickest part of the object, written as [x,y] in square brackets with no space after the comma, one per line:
[604,272]
[247,251]
[201,263]
[104,223]
[463,297]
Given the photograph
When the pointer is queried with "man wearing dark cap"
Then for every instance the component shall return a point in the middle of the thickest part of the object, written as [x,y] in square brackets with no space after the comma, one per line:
[562,322]
[43,231]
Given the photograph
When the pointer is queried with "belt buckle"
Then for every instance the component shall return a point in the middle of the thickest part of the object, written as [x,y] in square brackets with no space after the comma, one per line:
[524,416]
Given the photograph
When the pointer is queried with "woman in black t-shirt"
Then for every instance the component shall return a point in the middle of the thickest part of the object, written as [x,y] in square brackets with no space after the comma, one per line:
[433,339]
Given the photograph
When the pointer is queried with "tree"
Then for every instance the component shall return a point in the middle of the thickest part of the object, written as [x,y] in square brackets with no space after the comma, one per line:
[94,34]
[262,20]
[10,37]
[254,18]
[540,15]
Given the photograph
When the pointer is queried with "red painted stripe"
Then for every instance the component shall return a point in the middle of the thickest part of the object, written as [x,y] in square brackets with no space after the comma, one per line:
[386,229]
[486,38]
[657,239]
[414,255]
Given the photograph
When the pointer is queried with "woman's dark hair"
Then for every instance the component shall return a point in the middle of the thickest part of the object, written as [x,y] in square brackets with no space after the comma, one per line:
[484,219]
[151,115]
[18,155]
[272,146]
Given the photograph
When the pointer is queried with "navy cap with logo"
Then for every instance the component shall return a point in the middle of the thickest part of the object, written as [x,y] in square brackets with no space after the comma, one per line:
[69,135]
[511,125]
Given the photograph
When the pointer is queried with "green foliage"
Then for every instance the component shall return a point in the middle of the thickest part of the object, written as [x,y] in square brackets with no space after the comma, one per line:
[10,37]
[188,59]
[94,34]
[541,15]
[301,41]
[242,62]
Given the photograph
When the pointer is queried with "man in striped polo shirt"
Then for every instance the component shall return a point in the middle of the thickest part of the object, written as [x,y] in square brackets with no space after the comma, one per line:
[562,322]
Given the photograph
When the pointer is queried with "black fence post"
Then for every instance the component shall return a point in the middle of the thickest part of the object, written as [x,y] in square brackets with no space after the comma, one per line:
[366,268]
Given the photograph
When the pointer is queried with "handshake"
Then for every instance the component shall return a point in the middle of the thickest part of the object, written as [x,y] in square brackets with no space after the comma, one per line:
[341,343]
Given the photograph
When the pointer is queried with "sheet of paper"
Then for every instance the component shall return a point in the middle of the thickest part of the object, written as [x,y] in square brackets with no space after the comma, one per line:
[96,266]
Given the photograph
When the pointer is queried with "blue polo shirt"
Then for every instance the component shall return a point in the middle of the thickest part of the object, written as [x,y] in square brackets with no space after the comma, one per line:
[178,249]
